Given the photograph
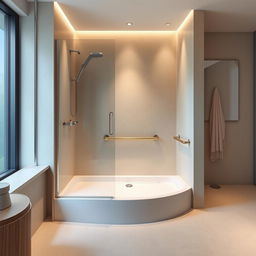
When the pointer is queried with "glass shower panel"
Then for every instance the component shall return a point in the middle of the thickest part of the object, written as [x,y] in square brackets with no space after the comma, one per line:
[86,163]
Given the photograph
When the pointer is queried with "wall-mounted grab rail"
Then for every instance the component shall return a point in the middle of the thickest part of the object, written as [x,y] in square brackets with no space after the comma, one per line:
[181,140]
[110,123]
[108,138]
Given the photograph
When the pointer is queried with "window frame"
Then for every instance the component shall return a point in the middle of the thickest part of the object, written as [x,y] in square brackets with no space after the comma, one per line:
[11,89]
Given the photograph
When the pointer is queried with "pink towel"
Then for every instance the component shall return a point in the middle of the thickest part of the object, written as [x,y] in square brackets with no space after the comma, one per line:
[217,127]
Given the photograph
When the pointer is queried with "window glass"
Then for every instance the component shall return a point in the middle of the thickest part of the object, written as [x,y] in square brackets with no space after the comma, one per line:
[9,77]
[2,95]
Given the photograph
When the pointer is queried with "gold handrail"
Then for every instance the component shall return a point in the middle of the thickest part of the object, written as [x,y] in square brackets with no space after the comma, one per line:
[108,138]
[181,140]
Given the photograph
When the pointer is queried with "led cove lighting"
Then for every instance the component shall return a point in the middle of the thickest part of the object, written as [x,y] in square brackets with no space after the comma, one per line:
[185,20]
[117,32]
[61,12]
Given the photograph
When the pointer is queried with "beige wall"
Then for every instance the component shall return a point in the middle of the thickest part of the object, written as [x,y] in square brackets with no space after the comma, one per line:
[145,104]
[237,165]
[135,79]
[190,111]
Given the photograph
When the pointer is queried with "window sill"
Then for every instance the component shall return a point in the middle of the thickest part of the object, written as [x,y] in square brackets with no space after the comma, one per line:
[24,176]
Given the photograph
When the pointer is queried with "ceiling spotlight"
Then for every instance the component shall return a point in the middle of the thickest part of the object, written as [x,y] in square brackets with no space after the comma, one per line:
[129,24]
[167,24]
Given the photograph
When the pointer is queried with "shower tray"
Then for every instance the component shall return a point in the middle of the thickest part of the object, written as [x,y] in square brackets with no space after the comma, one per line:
[123,199]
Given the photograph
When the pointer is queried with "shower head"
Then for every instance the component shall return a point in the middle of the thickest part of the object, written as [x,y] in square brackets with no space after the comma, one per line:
[85,63]
[96,54]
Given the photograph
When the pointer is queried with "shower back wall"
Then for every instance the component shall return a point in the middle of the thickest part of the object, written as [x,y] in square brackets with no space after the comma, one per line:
[136,79]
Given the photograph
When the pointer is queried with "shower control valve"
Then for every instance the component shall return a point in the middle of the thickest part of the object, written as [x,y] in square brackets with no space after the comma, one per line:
[70,123]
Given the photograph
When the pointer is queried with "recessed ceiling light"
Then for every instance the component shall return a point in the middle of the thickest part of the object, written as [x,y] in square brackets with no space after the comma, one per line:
[167,24]
[129,24]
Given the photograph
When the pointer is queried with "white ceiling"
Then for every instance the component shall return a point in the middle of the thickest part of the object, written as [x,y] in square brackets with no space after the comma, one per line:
[220,15]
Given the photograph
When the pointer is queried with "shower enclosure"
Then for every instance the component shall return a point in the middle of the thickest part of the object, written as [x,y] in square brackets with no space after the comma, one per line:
[116,119]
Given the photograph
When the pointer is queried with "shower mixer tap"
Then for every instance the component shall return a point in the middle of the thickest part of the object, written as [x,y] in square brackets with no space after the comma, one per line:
[70,123]
[74,51]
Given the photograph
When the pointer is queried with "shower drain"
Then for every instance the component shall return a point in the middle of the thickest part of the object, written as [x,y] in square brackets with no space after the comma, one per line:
[128,185]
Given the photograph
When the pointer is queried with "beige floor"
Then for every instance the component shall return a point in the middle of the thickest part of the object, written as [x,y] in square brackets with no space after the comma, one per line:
[226,227]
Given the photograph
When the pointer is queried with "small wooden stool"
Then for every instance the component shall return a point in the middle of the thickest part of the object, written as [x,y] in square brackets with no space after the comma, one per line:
[15,227]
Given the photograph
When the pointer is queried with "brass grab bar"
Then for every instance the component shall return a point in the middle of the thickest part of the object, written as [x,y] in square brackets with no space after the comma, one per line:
[108,138]
[181,140]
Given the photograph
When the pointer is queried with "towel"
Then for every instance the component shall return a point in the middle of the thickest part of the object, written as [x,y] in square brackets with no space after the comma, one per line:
[217,127]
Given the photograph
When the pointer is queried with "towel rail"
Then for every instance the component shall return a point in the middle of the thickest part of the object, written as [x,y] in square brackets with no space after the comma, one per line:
[109,138]
[181,140]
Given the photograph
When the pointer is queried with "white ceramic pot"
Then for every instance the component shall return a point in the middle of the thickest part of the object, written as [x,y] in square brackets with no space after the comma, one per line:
[5,200]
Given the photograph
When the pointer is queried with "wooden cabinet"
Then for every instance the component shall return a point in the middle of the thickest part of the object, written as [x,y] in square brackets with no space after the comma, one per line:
[15,227]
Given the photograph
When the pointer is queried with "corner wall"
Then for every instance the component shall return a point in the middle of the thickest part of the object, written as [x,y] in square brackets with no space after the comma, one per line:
[190,103]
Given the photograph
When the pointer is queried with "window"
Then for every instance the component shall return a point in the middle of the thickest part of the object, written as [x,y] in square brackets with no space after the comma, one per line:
[8,91]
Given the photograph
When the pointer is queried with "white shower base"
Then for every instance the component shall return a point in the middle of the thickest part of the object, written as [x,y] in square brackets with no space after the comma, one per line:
[143,187]
[107,199]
